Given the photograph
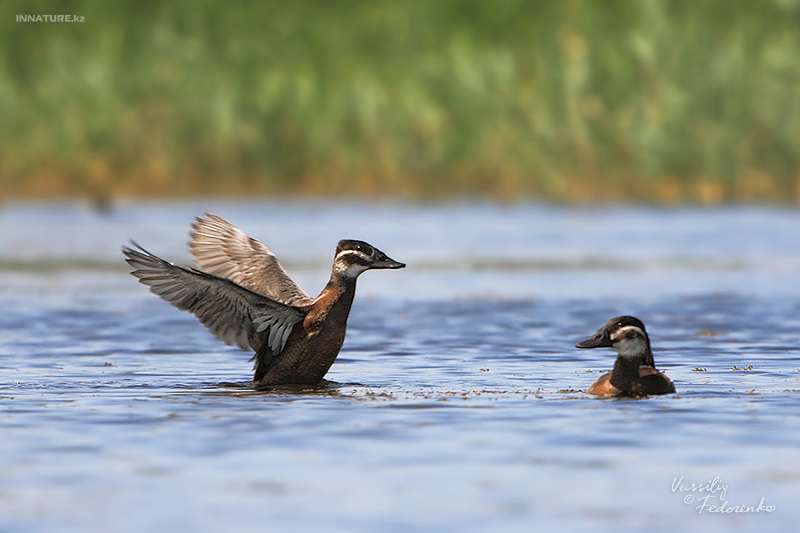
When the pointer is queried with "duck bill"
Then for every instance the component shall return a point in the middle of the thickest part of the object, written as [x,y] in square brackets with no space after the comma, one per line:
[387,262]
[598,340]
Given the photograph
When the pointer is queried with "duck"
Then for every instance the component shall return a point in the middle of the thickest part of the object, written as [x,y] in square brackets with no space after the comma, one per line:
[241,293]
[634,372]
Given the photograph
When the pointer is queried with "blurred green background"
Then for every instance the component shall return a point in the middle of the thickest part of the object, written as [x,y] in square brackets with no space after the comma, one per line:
[656,101]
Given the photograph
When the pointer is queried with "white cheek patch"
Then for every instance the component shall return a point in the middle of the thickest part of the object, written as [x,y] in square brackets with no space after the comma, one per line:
[621,332]
[347,268]
[351,271]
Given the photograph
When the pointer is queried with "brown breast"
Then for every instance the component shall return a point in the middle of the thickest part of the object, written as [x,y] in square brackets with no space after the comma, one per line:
[603,387]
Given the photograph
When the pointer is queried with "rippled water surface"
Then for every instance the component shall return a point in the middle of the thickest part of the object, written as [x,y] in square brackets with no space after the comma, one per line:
[458,401]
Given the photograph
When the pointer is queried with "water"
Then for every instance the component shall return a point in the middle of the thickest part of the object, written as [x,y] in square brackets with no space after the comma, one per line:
[456,403]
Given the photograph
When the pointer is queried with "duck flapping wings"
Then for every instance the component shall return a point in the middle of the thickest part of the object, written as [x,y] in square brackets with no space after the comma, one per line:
[240,293]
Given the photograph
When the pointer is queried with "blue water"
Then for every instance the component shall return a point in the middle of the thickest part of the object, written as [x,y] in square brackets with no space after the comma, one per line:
[458,400]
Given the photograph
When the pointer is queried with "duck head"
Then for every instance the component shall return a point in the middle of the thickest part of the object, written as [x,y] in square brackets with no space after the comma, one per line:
[354,257]
[626,334]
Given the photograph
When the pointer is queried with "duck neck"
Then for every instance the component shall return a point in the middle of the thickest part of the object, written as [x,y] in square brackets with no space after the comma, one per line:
[344,289]
[648,356]
[626,371]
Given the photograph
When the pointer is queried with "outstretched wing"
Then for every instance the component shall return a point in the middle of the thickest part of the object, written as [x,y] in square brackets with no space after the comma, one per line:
[223,250]
[233,313]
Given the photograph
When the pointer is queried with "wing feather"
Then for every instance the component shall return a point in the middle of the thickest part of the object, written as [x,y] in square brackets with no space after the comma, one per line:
[235,314]
[221,249]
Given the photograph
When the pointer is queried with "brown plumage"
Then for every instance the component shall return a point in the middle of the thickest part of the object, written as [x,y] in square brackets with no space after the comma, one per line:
[243,296]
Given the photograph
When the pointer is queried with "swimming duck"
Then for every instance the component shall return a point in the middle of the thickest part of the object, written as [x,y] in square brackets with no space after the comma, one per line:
[634,372]
[243,296]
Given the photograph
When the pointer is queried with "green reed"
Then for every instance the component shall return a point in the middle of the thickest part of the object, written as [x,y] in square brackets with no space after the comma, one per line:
[682,100]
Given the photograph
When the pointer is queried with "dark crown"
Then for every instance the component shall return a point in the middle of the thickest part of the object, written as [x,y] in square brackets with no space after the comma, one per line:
[621,321]
[358,246]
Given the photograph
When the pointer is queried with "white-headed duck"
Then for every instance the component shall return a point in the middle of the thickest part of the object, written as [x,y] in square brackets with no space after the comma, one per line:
[243,296]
